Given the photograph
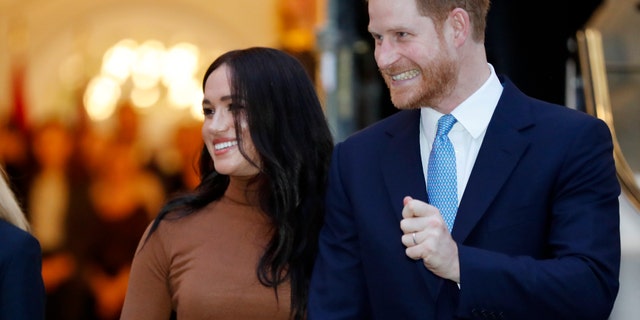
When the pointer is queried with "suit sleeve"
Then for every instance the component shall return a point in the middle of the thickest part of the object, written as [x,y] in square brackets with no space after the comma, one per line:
[578,276]
[337,289]
[22,294]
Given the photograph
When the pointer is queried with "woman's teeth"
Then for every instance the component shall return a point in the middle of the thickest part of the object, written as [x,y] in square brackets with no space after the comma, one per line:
[224,145]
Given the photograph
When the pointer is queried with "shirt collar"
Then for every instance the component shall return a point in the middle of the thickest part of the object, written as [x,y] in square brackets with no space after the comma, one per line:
[474,113]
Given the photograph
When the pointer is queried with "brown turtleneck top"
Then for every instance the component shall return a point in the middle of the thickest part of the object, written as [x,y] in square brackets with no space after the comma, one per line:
[203,266]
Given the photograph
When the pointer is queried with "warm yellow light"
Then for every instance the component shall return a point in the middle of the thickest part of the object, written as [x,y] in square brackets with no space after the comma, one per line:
[180,62]
[119,59]
[196,106]
[145,98]
[181,93]
[101,97]
[158,75]
[147,68]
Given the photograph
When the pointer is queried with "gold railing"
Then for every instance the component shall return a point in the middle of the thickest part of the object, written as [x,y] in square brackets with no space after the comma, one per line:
[598,103]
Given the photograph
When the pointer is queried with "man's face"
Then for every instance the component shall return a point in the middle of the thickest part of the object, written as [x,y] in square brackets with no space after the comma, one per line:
[414,58]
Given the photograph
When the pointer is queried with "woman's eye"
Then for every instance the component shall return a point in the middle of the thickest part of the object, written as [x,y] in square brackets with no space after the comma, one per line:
[207,111]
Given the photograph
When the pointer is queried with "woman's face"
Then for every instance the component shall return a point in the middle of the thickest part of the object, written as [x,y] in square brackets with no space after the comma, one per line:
[218,129]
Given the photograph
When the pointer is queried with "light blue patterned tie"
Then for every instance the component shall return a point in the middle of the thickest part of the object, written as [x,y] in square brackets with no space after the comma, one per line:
[442,182]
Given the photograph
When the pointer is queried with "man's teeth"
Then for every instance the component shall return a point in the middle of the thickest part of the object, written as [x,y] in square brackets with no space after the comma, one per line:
[223,145]
[406,75]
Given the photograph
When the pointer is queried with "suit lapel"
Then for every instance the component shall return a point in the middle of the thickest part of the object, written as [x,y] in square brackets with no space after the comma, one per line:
[501,149]
[401,165]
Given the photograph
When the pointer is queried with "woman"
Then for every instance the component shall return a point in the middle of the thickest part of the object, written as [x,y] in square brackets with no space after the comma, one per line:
[22,293]
[242,245]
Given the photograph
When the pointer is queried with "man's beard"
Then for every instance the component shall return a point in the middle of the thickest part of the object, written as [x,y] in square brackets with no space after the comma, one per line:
[438,81]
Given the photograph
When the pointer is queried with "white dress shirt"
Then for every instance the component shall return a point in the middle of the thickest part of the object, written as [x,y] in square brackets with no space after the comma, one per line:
[473,117]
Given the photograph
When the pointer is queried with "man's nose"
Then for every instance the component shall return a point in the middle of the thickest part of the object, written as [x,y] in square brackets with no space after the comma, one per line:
[385,54]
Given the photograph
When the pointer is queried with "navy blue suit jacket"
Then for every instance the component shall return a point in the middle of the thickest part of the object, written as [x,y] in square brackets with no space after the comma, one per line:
[537,227]
[22,294]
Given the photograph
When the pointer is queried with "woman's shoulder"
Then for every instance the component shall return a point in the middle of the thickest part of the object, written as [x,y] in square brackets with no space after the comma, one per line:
[16,241]
[174,224]
[10,232]
[174,233]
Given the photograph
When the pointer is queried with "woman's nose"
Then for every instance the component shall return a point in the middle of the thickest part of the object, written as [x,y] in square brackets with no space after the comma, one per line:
[221,121]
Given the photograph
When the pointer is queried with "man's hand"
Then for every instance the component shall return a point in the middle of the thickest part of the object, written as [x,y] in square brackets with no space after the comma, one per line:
[426,237]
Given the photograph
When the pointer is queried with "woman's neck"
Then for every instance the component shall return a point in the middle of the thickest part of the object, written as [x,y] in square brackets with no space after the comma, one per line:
[243,191]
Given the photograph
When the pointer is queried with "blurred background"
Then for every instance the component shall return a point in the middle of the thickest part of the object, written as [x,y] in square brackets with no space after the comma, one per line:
[100,109]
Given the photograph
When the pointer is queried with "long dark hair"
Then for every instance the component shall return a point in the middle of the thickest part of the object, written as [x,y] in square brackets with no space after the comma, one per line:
[290,133]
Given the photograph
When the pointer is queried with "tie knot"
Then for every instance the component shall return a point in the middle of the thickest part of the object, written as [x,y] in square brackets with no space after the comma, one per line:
[445,123]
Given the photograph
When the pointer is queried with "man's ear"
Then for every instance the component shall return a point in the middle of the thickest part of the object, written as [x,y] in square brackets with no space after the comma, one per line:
[461,25]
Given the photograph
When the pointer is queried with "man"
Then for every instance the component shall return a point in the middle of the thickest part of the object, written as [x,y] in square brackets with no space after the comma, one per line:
[535,232]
